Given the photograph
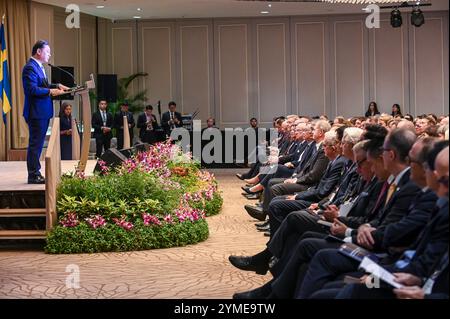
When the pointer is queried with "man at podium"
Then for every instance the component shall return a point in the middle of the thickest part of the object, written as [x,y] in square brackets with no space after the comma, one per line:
[38,108]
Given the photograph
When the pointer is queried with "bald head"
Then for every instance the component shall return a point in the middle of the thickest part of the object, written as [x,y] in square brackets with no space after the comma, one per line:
[442,162]
[442,171]
[406,125]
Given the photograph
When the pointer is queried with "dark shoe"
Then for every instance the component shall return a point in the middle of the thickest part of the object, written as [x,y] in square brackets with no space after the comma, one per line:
[247,190]
[240,177]
[267,233]
[249,185]
[255,212]
[262,224]
[253,196]
[265,228]
[258,293]
[247,263]
[36,180]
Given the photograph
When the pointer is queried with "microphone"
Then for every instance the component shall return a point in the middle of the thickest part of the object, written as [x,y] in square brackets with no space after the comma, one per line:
[61,69]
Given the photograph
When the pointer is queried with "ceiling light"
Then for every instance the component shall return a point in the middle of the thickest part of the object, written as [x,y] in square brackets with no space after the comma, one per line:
[264,12]
[417,17]
[270,6]
[139,9]
[396,18]
[136,17]
[100,7]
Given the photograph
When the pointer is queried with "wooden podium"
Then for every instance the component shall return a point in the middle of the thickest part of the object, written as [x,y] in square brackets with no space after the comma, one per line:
[83,92]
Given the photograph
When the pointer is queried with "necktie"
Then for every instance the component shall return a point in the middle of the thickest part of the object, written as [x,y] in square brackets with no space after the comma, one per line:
[391,192]
[43,71]
[104,118]
[382,192]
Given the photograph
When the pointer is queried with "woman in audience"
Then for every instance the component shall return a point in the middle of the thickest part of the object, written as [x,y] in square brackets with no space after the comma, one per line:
[396,112]
[65,127]
[372,110]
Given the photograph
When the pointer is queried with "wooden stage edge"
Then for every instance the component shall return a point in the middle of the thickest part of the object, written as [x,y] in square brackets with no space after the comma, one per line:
[13,175]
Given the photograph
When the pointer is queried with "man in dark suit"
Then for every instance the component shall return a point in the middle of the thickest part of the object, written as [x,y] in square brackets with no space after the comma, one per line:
[147,124]
[118,124]
[102,122]
[171,119]
[312,165]
[38,107]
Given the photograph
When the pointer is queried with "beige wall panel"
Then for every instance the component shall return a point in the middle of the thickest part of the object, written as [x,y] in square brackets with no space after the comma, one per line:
[310,68]
[157,62]
[195,79]
[349,68]
[233,74]
[428,65]
[123,57]
[389,71]
[271,68]
[41,18]
[88,50]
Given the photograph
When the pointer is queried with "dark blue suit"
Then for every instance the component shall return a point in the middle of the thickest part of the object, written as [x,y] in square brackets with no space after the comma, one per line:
[37,111]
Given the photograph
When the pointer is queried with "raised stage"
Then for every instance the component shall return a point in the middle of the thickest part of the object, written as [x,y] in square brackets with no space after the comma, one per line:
[13,175]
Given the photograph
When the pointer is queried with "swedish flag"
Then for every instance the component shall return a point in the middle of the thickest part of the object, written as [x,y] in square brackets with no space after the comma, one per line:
[5,86]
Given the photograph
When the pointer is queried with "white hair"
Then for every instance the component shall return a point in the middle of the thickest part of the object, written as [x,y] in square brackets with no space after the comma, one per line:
[352,135]
[330,138]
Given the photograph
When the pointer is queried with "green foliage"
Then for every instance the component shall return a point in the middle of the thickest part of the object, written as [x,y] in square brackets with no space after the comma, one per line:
[112,238]
[136,102]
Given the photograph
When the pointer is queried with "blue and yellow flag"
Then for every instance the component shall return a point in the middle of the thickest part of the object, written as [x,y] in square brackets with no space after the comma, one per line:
[5,86]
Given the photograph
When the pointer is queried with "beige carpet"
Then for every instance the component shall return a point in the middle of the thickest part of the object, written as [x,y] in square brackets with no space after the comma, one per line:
[197,271]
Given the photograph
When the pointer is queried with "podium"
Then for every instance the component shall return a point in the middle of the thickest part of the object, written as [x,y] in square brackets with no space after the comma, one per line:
[83,92]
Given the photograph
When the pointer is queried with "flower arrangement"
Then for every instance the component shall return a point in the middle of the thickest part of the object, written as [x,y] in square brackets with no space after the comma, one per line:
[152,200]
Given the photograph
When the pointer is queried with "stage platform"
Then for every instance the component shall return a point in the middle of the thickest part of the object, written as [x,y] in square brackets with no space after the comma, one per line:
[13,175]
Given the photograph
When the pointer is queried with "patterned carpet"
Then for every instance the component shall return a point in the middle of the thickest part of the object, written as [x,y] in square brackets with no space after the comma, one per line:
[198,271]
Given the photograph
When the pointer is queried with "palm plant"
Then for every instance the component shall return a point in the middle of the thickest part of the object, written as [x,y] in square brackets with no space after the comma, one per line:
[136,102]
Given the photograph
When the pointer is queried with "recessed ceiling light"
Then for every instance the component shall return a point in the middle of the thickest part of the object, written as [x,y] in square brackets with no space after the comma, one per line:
[139,9]
[270,6]
[264,12]
[136,17]
[100,7]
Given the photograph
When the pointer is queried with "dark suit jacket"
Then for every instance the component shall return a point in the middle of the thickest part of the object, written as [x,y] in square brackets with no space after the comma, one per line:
[142,124]
[348,186]
[118,120]
[38,103]
[165,121]
[97,124]
[364,204]
[292,152]
[314,168]
[397,207]
[432,243]
[309,151]
[328,182]
[404,232]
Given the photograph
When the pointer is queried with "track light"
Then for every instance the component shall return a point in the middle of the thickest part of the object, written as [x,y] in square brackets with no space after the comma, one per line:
[417,17]
[396,18]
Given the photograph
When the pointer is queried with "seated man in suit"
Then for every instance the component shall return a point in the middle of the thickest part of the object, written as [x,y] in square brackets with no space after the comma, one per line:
[402,207]
[311,167]
[38,107]
[102,122]
[423,270]
[118,124]
[297,223]
[171,119]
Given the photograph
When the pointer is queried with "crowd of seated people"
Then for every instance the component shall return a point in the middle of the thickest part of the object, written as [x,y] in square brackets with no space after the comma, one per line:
[340,194]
